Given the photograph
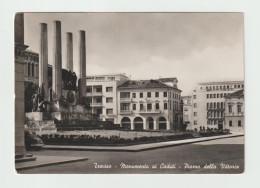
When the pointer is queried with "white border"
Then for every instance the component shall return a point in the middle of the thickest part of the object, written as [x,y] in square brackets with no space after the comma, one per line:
[251,11]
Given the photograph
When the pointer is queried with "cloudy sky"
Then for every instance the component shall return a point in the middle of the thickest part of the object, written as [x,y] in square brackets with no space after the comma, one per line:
[194,47]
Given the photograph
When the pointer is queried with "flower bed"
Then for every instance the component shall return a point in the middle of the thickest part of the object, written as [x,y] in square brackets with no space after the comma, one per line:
[119,138]
[89,140]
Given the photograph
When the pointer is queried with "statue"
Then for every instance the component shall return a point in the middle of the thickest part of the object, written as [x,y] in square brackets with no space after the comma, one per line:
[73,80]
[36,100]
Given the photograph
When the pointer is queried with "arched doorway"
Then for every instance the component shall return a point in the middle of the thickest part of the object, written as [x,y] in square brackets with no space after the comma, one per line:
[126,123]
[138,123]
[162,123]
[150,123]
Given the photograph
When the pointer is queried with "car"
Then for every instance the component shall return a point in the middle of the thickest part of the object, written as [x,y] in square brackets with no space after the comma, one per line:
[32,141]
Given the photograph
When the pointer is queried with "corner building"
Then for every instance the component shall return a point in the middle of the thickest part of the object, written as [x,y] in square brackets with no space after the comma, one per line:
[209,103]
[150,105]
[102,94]
[234,110]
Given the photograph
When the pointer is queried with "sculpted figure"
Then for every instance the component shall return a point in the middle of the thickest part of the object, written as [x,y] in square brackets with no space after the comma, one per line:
[74,80]
[36,100]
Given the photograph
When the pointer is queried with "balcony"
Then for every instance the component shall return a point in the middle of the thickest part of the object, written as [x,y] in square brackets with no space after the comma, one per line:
[152,111]
[215,118]
[96,104]
[94,94]
[219,109]
[125,112]
[125,99]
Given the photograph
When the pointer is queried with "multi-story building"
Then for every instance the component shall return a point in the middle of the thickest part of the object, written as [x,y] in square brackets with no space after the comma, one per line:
[234,111]
[187,111]
[102,94]
[31,66]
[150,104]
[209,103]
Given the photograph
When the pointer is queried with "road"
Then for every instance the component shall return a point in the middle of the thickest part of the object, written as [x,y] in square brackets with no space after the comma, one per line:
[217,156]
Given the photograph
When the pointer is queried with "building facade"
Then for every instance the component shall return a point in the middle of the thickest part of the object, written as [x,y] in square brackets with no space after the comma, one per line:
[234,111]
[31,66]
[102,94]
[149,105]
[208,101]
[187,111]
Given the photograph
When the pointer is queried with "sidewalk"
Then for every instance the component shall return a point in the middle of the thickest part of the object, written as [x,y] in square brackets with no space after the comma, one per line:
[42,160]
[140,147]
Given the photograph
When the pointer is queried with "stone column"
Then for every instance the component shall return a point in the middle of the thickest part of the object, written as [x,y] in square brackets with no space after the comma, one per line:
[43,60]
[168,127]
[155,127]
[69,61]
[57,64]
[19,84]
[82,64]
[132,124]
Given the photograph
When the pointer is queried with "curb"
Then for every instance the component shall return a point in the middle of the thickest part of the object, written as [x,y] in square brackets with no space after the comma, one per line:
[49,164]
[122,149]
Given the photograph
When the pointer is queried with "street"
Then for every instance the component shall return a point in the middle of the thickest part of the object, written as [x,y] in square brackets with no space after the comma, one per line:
[216,156]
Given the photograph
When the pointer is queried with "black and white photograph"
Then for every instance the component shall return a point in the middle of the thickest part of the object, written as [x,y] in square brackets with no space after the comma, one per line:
[129,93]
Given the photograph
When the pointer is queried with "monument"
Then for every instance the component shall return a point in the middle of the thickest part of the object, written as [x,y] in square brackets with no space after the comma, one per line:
[62,102]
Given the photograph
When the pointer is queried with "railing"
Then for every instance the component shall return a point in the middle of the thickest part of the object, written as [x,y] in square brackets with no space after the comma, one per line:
[95,94]
[96,104]
[125,99]
[209,117]
[147,111]
[219,108]
[125,112]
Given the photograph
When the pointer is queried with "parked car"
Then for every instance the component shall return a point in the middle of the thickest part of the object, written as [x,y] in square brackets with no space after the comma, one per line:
[32,141]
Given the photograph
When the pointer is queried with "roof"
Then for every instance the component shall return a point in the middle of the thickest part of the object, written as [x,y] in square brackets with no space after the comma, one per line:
[30,51]
[142,84]
[237,94]
[222,82]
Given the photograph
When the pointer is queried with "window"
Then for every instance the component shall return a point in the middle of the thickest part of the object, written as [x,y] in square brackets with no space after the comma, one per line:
[99,89]
[111,78]
[29,69]
[239,123]
[195,113]
[134,106]
[124,95]
[109,111]
[165,106]
[141,106]
[109,89]
[124,106]
[207,105]
[109,100]
[99,100]
[164,94]
[214,96]
[221,95]
[239,108]
[148,94]
[207,96]
[211,96]
[32,69]
[141,95]
[185,109]
[156,94]
[230,123]
[229,108]
[195,122]
[195,105]
[149,106]
[134,95]
[194,96]
[89,89]
[217,95]
[157,106]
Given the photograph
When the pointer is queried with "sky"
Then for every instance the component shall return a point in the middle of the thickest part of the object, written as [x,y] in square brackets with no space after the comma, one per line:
[194,47]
